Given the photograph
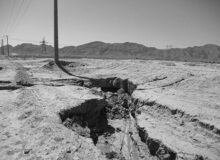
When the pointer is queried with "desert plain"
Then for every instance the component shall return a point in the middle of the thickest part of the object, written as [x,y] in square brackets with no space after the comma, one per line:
[111,109]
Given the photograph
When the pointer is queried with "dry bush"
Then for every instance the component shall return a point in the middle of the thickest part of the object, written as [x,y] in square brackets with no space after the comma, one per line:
[22,78]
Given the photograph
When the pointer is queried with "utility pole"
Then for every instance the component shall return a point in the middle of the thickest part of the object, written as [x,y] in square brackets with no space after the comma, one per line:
[56,47]
[2,47]
[7,44]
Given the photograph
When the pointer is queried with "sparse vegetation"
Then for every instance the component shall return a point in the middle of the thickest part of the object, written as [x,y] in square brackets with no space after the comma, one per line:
[22,78]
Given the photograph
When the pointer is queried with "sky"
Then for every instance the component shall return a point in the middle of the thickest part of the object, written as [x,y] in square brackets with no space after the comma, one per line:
[153,23]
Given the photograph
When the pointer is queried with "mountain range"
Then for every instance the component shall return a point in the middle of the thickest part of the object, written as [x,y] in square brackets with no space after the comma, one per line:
[127,50]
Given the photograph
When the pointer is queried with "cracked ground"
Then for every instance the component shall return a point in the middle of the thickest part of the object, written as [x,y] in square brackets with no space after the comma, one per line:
[171,113]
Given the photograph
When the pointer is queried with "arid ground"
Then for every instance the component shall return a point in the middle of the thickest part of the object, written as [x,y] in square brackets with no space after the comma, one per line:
[117,109]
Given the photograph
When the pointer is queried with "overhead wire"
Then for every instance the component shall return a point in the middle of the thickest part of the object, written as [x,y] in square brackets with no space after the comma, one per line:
[23,40]
[66,50]
[15,18]
[35,41]
[10,16]
[25,9]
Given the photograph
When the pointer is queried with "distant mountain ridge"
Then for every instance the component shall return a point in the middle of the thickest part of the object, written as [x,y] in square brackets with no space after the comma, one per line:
[127,50]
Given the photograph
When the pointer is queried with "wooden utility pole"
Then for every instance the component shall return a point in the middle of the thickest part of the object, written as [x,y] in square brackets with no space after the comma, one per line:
[56,47]
[2,47]
[7,44]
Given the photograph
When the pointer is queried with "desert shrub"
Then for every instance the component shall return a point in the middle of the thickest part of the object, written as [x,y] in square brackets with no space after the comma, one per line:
[22,78]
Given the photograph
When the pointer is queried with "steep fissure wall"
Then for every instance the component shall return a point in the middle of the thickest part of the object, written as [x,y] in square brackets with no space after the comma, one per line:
[111,124]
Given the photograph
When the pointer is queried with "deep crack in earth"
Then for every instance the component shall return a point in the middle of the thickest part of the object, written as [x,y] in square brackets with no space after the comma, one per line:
[113,128]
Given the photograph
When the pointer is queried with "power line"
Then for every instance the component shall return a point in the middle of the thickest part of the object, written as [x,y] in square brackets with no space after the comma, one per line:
[10,16]
[17,15]
[25,9]
[13,15]
[24,40]
[34,41]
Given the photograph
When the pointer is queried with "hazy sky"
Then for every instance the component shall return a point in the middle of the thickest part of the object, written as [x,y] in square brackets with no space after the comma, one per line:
[154,23]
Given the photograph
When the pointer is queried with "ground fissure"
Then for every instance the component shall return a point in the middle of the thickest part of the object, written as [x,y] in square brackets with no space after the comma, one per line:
[169,116]
[113,128]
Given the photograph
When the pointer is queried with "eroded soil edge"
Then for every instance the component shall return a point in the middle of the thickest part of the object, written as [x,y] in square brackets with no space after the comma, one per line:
[111,123]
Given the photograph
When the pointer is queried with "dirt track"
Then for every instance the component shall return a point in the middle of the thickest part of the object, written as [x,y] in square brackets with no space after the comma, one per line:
[172,114]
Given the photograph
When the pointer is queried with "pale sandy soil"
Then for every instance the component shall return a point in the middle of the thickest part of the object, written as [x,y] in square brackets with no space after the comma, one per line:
[179,107]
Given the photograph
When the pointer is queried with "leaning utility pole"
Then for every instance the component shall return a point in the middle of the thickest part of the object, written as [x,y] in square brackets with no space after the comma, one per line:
[56,47]
[7,44]
[2,47]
